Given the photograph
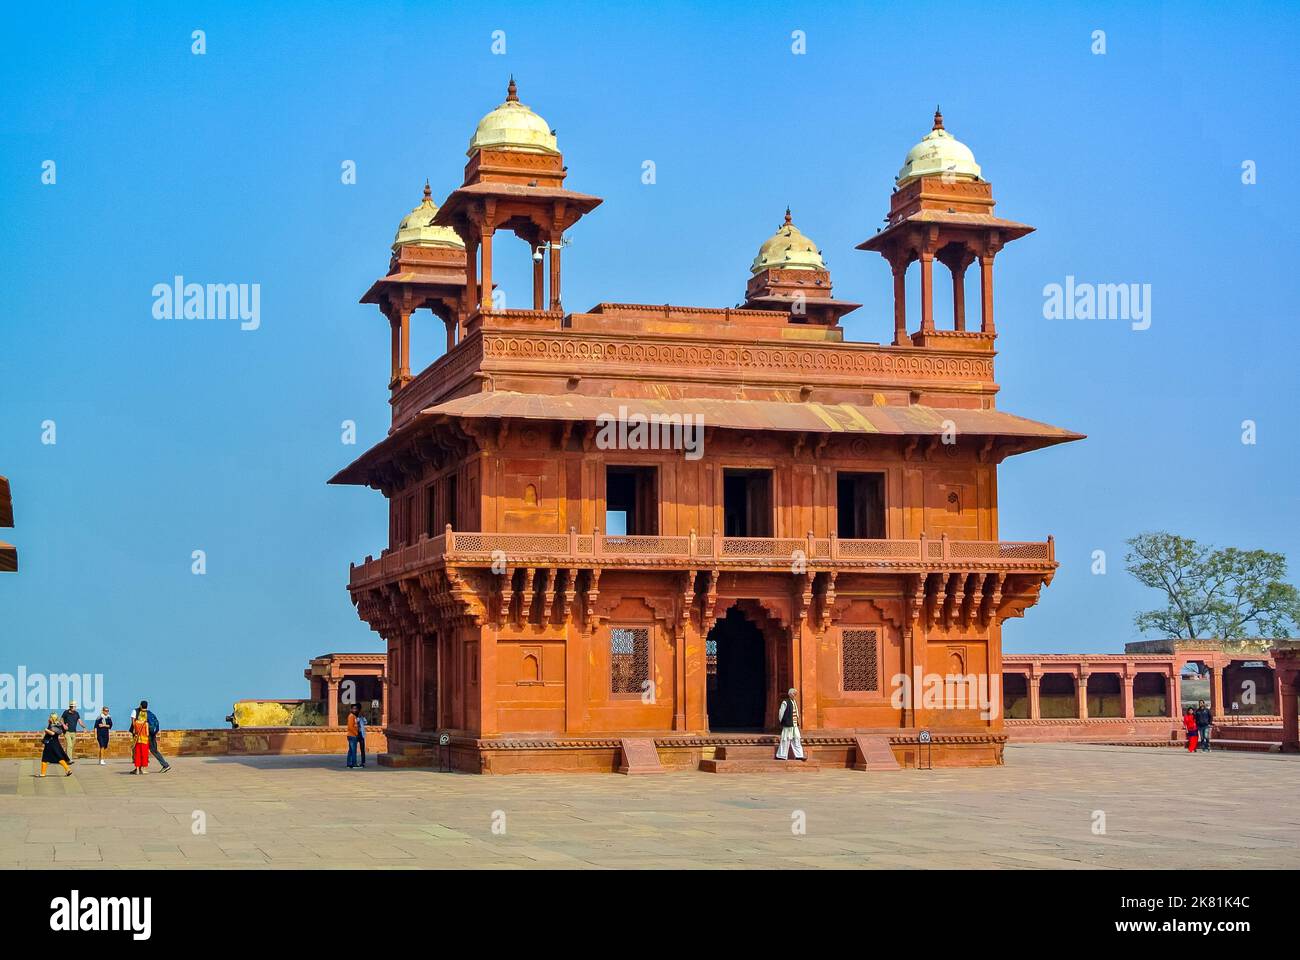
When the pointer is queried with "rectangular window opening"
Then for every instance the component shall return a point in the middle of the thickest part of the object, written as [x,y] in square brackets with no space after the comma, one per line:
[631,502]
[861,502]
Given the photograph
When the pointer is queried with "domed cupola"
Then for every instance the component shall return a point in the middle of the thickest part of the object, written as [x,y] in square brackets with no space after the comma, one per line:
[787,249]
[512,126]
[789,276]
[415,228]
[939,153]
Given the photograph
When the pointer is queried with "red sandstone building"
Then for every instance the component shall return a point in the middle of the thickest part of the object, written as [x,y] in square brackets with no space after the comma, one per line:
[548,597]
[8,553]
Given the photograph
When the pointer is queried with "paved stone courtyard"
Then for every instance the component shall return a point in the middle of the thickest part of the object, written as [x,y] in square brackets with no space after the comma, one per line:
[1163,808]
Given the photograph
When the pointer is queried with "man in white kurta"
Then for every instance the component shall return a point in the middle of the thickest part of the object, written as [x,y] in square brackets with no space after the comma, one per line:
[788,716]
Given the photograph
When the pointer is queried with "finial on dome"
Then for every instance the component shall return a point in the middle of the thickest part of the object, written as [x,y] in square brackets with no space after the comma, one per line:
[428,194]
[938,118]
[512,92]
[788,221]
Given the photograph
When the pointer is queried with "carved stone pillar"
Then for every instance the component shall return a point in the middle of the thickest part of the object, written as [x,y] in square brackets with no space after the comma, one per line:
[332,703]
[986,293]
[553,253]
[900,302]
[927,291]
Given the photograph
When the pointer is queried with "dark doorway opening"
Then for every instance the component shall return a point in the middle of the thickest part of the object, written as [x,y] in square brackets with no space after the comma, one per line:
[861,502]
[737,680]
[747,503]
[631,502]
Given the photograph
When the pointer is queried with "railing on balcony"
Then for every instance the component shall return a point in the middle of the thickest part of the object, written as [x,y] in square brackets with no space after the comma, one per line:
[518,549]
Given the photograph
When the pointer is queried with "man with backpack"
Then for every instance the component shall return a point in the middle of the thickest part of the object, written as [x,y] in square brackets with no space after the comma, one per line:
[154,727]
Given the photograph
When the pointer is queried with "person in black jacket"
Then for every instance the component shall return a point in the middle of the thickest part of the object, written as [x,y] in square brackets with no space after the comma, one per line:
[52,746]
[1204,719]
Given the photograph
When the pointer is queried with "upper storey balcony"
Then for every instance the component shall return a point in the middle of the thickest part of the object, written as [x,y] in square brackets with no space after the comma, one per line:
[573,550]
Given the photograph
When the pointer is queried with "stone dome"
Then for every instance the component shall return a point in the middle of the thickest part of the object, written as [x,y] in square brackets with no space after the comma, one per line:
[416,231]
[787,249]
[939,152]
[512,126]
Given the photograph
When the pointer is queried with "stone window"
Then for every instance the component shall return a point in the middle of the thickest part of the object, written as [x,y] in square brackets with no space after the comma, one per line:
[858,649]
[629,660]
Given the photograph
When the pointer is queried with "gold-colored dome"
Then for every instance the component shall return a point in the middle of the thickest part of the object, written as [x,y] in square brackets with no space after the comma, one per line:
[787,249]
[415,228]
[939,153]
[512,126]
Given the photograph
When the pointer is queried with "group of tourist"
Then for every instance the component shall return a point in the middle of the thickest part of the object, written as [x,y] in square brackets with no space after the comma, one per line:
[1197,723]
[59,742]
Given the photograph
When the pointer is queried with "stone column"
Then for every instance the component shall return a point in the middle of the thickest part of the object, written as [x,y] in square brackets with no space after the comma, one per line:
[1081,693]
[485,287]
[471,281]
[806,649]
[900,303]
[1174,696]
[959,297]
[1035,705]
[986,293]
[554,254]
[394,329]
[927,292]
[1216,689]
[383,700]
[1288,709]
[332,703]
[1127,680]
[539,279]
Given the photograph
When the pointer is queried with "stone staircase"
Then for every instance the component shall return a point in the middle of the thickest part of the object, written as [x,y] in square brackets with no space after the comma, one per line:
[754,759]
[408,756]
[1258,738]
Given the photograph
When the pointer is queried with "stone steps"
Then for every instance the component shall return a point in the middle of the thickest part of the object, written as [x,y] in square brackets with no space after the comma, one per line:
[1252,746]
[754,758]
[767,765]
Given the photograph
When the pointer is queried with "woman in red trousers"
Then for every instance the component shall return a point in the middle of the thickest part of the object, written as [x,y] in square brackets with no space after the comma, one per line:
[140,739]
[1189,724]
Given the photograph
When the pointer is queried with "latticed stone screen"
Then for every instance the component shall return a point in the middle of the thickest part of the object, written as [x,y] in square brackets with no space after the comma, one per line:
[629,659]
[858,648]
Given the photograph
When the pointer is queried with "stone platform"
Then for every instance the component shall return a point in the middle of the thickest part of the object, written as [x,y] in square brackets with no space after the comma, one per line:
[1037,811]
[825,748]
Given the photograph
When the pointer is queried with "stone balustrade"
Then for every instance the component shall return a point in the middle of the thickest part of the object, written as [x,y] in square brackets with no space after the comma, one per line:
[691,551]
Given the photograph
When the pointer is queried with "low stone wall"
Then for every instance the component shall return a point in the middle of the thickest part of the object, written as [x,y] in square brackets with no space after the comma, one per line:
[246,741]
[1247,733]
[1094,730]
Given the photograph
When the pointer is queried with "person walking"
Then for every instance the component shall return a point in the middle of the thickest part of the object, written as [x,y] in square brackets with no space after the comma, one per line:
[154,727]
[788,716]
[103,724]
[52,746]
[72,720]
[352,736]
[1189,724]
[140,741]
[361,737]
[1204,720]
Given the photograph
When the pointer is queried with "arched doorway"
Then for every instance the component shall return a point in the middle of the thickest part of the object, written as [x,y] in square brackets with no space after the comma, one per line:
[737,680]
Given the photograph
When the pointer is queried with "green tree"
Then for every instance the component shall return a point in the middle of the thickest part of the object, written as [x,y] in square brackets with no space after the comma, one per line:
[1225,593]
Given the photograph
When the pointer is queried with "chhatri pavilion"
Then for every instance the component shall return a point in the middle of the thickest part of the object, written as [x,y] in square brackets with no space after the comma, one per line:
[554,601]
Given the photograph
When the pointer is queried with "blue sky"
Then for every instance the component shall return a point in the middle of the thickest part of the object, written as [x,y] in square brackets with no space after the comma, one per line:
[174,436]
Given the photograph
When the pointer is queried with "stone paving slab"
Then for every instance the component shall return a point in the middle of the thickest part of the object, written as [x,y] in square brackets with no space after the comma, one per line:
[1163,809]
